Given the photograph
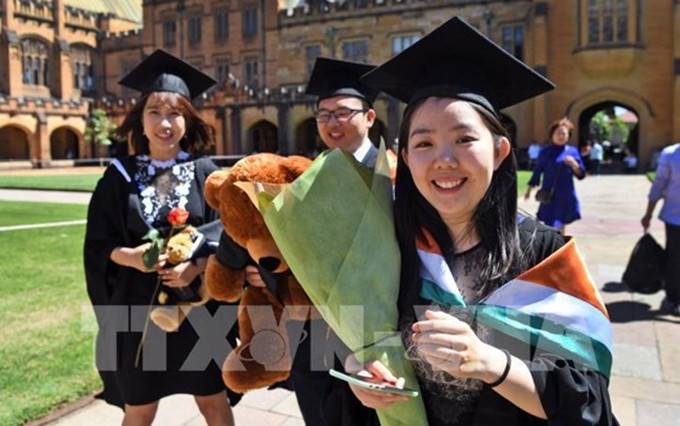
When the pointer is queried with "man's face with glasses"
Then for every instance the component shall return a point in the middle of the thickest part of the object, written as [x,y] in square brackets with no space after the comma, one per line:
[343,122]
[341,114]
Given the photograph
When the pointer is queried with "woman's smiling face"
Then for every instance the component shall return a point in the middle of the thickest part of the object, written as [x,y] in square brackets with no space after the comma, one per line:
[164,125]
[452,156]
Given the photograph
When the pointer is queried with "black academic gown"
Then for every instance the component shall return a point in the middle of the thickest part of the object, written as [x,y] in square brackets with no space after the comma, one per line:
[325,400]
[121,297]
[570,394]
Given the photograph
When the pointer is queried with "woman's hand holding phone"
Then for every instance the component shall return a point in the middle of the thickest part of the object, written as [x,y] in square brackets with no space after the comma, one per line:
[366,381]
[375,373]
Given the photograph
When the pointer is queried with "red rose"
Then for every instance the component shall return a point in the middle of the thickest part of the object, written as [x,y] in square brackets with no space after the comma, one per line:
[178,216]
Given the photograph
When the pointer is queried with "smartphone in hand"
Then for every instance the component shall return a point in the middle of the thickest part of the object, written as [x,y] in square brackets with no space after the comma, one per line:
[364,382]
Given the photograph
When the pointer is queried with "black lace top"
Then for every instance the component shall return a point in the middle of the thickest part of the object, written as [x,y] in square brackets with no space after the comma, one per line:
[163,185]
[447,398]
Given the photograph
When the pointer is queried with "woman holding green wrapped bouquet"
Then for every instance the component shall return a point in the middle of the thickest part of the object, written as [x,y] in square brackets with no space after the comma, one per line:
[499,315]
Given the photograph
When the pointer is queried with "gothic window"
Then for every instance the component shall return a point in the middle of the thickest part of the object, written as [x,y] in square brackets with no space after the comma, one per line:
[512,40]
[27,72]
[608,22]
[37,73]
[249,22]
[34,53]
[311,53]
[81,58]
[169,32]
[194,28]
[356,50]
[250,68]
[76,74]
[221,25]
[221,70]
[401,42]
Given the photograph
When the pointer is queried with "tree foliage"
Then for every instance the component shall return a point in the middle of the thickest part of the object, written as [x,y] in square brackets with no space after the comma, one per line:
[605,126]
[100,129]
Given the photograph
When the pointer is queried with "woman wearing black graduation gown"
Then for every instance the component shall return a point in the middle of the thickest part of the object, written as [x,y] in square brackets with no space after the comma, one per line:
[134,195]
[498,313]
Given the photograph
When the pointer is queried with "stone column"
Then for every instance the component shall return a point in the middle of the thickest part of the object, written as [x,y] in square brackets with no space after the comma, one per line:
[11,64]
[286,143]
[42,135]
[235,119]
[8,37]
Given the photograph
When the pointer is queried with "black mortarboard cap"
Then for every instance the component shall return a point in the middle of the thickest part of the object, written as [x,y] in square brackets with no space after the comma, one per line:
[331,77]
[163,72]
[457,60]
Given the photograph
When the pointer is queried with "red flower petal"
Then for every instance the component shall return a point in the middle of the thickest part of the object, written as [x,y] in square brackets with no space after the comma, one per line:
[178,216]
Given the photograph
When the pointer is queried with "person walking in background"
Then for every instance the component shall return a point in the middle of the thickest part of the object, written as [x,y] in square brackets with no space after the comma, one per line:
[557,165]
[462,242]
[595,158]
[134,196]
[666,185]
[631,161]
[585,150]
[533,151]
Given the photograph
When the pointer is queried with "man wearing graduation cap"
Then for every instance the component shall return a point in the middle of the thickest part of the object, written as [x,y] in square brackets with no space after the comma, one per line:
[344,116]
[134,196]
[501,319]
[344,109]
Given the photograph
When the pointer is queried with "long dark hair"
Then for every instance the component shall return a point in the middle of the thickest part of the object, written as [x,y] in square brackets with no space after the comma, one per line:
[199,136]
[494,219]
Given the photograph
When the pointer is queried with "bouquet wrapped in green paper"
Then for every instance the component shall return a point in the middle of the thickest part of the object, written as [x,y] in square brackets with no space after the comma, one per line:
[334,226]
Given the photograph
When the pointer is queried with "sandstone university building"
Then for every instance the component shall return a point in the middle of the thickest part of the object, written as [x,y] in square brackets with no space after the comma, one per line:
[60,59]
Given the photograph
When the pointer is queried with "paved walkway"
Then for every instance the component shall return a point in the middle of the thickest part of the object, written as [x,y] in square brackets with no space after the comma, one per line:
[645,385]
[45,196]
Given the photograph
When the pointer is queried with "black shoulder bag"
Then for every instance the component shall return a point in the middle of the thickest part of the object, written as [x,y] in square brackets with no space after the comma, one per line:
[544,195]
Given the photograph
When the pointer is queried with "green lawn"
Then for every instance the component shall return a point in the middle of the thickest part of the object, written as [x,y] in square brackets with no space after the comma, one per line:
[15,213]
[46,342]
[87,182]
[523,177]
[79,182]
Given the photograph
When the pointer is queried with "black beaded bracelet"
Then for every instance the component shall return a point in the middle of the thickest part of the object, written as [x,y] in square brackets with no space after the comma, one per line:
[504,375]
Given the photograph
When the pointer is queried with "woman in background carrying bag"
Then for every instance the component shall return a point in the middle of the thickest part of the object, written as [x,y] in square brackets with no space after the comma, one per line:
[667,186]
[558,163]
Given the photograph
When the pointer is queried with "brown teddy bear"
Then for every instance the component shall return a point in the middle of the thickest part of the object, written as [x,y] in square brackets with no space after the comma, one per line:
[262,357]
[177,302]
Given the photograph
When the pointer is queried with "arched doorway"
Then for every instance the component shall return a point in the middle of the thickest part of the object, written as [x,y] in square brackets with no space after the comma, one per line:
[64,144]
[13,144]
[263,137]
[307,139]
[616,127]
